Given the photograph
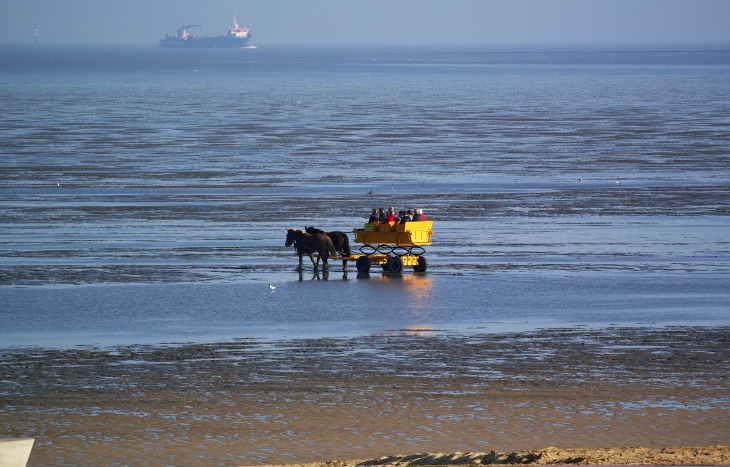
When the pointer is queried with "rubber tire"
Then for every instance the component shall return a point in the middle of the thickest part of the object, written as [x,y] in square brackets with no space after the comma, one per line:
[421,266]
[395,265]
[363,264]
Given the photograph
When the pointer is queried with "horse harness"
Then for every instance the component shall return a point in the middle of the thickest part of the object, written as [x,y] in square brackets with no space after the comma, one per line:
[304,247]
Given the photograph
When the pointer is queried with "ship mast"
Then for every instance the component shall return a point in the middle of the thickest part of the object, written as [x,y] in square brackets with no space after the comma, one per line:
[36,35]
[235,22]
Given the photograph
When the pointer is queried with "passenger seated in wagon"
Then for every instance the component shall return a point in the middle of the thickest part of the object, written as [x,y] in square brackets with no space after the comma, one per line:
[419,215]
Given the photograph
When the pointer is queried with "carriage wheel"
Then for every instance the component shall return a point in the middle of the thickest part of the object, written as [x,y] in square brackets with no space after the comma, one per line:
[422,265]
[395,265]
[385,266]
[362,264]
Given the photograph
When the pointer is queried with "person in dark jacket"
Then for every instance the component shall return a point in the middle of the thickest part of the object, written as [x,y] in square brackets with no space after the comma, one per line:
[374,216]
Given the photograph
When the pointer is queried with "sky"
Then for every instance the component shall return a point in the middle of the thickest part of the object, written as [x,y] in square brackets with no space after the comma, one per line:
[371,22]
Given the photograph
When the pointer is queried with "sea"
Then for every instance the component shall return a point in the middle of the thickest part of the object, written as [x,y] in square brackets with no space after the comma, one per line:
[145,193]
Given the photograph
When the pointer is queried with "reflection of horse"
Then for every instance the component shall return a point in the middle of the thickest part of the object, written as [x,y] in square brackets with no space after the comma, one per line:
[339,239]
[308,244]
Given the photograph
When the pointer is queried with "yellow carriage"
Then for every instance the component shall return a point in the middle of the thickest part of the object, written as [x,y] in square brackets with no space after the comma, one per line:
[393,245]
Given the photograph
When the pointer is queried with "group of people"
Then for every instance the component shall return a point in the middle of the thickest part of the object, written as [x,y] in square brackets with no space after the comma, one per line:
[402,216]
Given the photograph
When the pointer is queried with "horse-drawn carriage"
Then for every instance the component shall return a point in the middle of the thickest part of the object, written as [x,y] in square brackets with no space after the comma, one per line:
[390,245]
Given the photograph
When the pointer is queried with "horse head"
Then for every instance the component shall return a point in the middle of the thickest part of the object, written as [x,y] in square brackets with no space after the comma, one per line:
[292,235]
[312,230]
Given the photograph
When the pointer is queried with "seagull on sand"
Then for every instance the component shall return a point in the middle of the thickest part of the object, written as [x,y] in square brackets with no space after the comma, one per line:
[272,287]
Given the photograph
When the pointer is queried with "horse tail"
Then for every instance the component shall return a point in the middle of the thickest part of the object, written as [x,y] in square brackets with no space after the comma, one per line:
[331,247]
[346,245]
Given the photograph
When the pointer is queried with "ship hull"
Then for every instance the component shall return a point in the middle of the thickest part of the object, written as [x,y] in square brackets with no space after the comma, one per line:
[221,42]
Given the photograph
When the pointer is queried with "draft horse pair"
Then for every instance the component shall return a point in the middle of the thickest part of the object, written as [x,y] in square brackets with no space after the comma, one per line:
[325,245]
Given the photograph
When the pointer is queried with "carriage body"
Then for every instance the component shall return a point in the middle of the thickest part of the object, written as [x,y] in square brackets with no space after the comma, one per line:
[392,245]
[413,233]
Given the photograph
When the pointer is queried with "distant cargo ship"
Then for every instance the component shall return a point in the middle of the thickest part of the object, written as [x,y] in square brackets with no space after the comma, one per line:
[236,38]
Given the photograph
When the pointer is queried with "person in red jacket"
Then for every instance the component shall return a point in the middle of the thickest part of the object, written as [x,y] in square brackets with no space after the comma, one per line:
[391,215]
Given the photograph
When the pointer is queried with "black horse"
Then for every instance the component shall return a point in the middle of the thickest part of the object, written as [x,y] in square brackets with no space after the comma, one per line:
[339,239]
[309,244]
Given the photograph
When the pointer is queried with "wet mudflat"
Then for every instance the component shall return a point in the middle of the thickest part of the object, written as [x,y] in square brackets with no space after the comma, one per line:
[253,402]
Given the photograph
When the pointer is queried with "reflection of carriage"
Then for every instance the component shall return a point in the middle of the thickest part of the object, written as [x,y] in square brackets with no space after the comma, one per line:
[393,245]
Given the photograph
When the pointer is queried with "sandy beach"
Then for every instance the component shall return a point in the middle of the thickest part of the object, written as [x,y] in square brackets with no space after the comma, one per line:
[710,455]
[314,400]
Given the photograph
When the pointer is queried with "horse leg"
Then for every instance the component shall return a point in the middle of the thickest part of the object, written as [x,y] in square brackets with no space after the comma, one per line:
[300,267]
[316,265]
[346,249]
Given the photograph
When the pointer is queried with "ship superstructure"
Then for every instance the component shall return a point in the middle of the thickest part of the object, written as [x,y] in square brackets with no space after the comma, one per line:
[236,37]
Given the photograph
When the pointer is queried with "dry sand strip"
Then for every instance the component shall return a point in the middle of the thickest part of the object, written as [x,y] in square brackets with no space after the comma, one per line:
[710,455]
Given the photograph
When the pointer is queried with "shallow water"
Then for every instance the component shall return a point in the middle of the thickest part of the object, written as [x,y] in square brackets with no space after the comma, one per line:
[144,194]
[490,302]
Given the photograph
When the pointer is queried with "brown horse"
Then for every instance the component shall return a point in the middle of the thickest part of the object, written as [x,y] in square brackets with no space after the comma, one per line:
[309,244]
[339,239]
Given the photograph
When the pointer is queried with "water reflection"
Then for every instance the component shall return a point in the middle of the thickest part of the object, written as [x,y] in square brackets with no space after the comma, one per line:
[411,295]
[318,275]
[419,288]
[416,293]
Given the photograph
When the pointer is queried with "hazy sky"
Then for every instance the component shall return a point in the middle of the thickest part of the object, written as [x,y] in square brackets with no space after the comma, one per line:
[371,21]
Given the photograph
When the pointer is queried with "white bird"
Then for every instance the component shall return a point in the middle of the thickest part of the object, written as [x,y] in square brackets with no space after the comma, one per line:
[272,287]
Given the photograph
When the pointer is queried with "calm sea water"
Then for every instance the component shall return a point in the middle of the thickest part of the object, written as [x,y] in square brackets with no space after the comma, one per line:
[144,193]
